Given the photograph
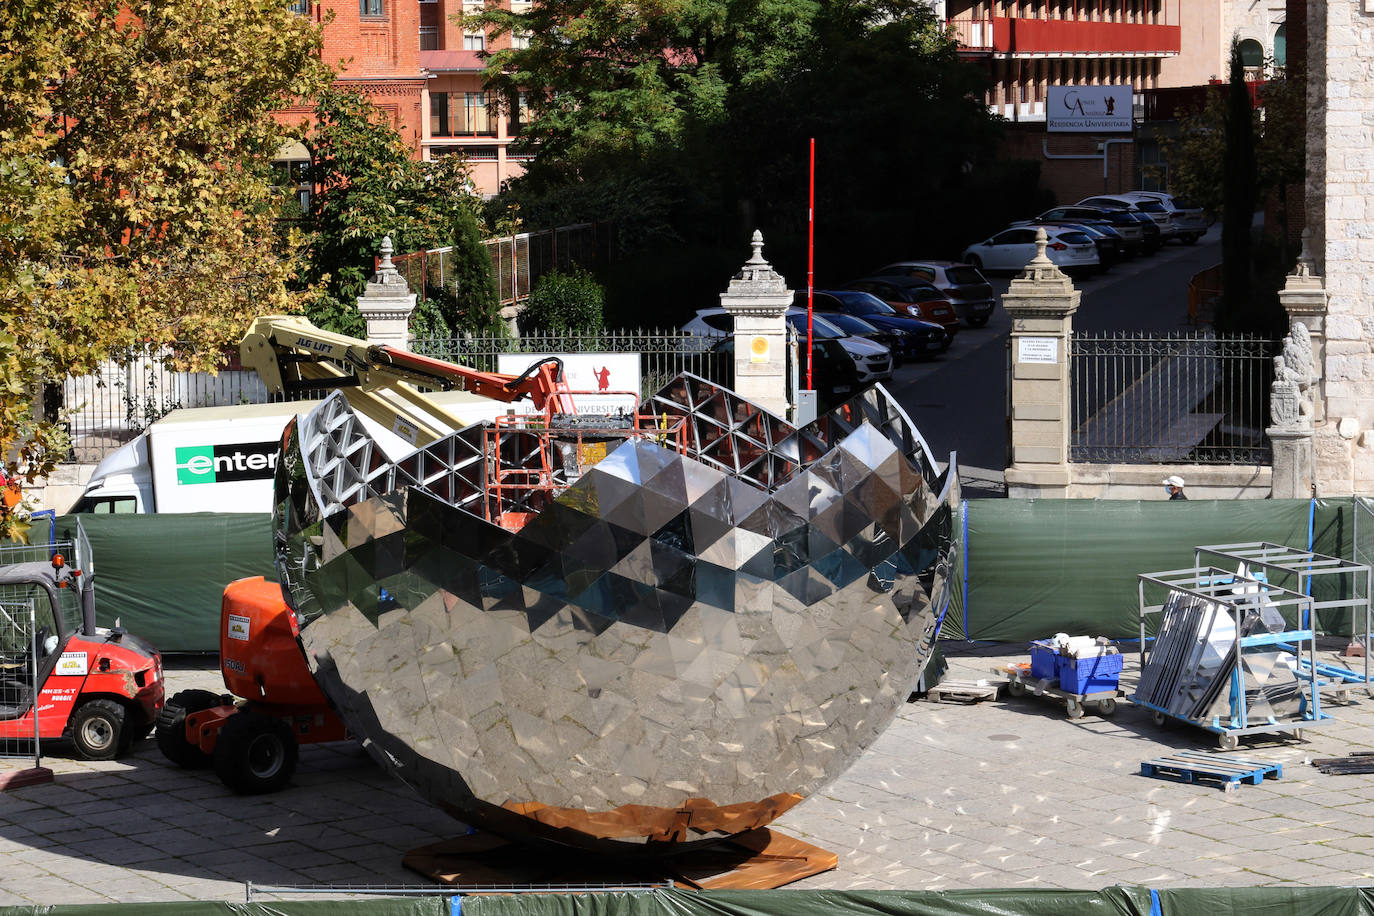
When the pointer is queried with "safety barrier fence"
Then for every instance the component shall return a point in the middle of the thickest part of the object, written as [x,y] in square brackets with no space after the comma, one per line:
[1192,397]
[1025,569]
[1204,292]
[18,675]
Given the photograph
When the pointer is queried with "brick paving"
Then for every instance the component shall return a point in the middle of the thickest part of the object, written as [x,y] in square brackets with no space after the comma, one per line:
[1001,793]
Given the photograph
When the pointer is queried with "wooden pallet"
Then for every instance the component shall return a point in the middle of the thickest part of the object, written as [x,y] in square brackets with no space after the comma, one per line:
[956,691]
[1195,766]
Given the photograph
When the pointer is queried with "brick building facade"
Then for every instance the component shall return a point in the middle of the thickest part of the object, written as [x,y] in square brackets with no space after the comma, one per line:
[1029,46]
[423,72]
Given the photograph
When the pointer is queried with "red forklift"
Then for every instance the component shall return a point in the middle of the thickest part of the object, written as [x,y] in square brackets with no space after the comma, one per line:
[100,687]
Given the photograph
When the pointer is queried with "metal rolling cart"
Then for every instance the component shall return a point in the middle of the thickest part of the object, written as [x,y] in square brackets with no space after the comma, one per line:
[1300,570]
[1197,669]
[1020,683]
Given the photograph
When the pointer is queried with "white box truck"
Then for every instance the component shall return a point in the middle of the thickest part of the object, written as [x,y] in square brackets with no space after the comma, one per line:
[222,459]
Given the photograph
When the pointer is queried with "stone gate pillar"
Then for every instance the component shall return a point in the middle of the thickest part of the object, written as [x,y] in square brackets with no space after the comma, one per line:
[386,304]
[1041,303]
[758,299]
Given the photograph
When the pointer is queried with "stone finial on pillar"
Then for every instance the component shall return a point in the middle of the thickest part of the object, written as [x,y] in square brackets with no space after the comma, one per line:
[1041,303]
[387,302]
[758,299]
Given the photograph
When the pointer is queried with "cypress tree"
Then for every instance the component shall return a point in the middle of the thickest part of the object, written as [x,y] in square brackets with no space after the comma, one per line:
[1239,200]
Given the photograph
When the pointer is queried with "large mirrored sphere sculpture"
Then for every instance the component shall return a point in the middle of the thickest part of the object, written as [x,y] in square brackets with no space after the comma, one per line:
[684,641]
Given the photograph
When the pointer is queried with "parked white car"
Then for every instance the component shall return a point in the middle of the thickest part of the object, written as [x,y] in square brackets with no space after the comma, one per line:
[1012,249]
[872,361]
[1190,222]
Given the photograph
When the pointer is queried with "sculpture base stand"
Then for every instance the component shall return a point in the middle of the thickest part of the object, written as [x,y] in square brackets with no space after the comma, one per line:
[758,859]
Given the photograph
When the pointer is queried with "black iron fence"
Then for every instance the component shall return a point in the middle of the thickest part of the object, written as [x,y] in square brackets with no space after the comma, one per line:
[1191,397]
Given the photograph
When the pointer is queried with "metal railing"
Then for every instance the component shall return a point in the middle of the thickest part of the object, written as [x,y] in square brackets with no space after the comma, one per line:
[663,354]
[1192,397]
[517,261]
[972,34]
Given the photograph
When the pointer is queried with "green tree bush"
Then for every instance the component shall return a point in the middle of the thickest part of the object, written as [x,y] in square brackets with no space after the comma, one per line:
[687,125]
[562,303]
[368,187]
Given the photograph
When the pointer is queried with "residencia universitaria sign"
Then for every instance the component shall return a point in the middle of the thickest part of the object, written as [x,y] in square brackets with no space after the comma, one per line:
[1088,109]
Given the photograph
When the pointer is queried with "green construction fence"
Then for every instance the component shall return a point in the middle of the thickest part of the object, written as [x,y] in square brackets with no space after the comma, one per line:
[1111,901]
[162,576]
[1025,569]
[1030,568]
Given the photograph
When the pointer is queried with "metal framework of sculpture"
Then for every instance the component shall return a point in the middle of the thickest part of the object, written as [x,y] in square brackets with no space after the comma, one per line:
[685,641]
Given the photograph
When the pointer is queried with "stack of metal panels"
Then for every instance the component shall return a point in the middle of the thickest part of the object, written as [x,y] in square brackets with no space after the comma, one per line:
[1189,672]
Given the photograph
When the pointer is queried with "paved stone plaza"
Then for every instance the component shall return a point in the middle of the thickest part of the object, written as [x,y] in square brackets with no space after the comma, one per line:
[1005,793]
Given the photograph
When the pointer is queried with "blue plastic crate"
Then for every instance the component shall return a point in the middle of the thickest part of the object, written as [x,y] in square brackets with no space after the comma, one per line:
[1089,675]
[1044,660]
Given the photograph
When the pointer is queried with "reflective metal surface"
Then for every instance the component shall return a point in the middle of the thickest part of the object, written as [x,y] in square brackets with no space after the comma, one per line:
[678,648]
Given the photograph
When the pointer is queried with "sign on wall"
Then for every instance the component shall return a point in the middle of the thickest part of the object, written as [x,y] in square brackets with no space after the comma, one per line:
[599,375]
[1088,109]
[1037,350]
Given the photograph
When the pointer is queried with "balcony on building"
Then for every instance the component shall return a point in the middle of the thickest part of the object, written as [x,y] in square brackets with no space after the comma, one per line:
[1067,28]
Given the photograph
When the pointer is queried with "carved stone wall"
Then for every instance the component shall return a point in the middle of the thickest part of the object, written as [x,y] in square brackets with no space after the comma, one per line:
[1341,211]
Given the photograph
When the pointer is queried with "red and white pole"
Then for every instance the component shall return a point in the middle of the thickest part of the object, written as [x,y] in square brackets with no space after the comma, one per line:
[810,260]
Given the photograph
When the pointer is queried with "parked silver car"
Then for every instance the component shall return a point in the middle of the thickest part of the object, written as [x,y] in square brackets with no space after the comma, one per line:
[963,285]
[1150,206]
[1190,222]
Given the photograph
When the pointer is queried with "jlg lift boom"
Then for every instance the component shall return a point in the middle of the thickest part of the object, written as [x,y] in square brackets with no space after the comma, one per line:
[291,355]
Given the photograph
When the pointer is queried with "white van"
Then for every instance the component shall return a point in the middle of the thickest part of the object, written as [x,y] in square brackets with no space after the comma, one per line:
[223,459]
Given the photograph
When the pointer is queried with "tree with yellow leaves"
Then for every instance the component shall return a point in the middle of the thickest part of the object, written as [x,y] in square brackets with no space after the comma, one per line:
[136,200]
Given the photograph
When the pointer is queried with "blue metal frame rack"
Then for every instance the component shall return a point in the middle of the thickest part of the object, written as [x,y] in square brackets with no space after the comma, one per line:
[1201,589]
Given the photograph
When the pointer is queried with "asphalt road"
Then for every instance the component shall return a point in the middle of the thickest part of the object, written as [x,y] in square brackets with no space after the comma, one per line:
[959,401]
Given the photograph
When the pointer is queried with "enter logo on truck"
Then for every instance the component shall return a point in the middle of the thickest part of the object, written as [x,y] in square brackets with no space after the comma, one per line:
[226,463]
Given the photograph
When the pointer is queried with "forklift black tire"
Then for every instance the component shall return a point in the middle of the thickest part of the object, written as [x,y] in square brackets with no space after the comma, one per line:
[255,754]
[171,728]
[98,728]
